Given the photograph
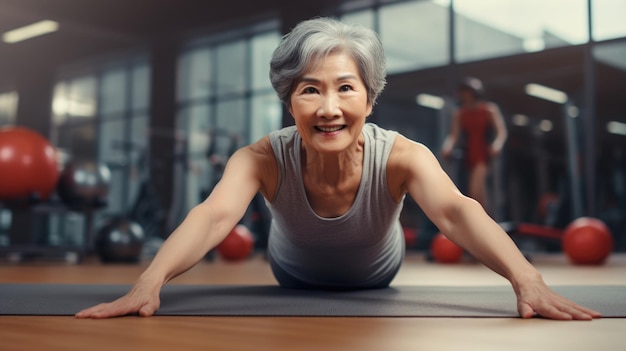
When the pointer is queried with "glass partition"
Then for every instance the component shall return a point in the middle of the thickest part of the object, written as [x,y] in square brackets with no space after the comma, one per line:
[414,35]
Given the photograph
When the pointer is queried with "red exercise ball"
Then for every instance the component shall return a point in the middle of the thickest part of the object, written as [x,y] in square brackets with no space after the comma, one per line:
[28,165]
[238,244]
[410,236]
[587,241]
[445,251]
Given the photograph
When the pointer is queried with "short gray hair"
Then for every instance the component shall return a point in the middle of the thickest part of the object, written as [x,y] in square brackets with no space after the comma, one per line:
[320,37]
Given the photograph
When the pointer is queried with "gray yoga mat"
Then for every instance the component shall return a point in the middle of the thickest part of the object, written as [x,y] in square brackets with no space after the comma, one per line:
[219,300]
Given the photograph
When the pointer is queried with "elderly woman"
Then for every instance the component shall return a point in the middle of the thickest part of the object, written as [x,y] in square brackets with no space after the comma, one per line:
[335,186]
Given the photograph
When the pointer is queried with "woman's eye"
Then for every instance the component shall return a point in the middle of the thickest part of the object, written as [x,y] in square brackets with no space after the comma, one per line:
[309,90]
[345,87]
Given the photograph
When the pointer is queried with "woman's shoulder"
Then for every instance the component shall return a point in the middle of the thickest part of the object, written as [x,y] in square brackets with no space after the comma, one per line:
[261,154]
[285,132]
[378,133]
[401,145]
[405,148]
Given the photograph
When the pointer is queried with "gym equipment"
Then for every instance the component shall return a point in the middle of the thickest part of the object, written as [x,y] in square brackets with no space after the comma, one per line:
[221,145]
[28,165]
[548,202]
[587,241]
[146,208]
[216,300]
[238,244]
[84,184]
[120,240]
[445,251]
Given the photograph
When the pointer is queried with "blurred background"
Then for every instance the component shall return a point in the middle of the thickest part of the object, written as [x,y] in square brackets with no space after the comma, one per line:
[161,92]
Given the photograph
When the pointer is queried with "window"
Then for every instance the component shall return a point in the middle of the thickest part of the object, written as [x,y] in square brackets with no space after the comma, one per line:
[231,77]
[608,19]
[74,108]
[365,18]
[491,28]
[414,33]
[225,101]
[262,48]
[103,116]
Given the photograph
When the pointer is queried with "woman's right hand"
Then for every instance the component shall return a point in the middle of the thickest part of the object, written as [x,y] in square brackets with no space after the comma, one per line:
[204,227]
[143,299]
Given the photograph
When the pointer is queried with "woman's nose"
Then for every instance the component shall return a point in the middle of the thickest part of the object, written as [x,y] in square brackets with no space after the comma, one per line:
[329,106]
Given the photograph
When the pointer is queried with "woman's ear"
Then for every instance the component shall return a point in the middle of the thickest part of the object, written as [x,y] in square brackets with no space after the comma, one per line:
[370,109]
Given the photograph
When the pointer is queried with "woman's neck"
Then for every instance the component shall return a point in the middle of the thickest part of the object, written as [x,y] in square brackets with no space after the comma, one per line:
[333,169]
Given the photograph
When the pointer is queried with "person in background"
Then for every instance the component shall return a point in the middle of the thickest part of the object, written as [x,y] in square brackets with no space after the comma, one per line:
[477,120]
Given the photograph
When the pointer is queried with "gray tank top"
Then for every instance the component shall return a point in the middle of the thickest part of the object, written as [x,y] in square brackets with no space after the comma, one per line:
[362,247]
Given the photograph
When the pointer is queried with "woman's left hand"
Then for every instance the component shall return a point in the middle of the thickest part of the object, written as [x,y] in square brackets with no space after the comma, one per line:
[537,299]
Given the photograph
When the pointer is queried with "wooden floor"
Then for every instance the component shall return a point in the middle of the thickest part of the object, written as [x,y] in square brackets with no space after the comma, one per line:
[288,333]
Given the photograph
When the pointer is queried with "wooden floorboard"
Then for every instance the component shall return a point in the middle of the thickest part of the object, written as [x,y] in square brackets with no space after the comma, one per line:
[289,333]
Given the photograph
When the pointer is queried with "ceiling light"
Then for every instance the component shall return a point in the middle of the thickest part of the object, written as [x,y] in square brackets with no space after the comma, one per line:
[30,31]
[573,111]
[520,120]
[615,127]
[546,93]
[431,101]
[545,125]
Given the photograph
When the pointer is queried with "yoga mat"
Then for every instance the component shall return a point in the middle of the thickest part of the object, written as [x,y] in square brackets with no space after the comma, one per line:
[220,300]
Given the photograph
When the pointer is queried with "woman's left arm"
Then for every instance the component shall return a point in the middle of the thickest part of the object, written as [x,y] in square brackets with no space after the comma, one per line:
[414,169]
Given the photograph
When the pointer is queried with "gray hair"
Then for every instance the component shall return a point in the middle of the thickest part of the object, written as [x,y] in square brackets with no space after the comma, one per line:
[320,37]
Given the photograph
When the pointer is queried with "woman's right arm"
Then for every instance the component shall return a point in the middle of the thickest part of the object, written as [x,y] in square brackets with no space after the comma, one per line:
[205,226]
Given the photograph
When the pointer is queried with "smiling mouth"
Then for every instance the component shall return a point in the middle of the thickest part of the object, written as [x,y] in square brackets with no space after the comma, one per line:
[329,129]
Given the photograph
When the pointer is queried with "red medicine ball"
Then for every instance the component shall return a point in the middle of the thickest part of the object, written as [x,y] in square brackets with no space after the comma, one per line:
[445,251]
[587,241]
[238,245]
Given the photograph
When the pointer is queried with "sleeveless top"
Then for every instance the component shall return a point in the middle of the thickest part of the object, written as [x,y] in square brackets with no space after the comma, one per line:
[476,123]
[360,248]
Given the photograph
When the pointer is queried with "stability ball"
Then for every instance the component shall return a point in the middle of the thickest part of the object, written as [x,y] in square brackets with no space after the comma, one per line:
[445,251]
[28,165]
[120,240]
[587,241]
[84,184]
[237,245]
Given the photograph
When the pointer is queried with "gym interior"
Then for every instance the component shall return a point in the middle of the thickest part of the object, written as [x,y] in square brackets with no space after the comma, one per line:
[129,111]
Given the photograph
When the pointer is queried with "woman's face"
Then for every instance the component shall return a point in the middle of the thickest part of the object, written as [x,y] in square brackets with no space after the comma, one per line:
[329,104]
